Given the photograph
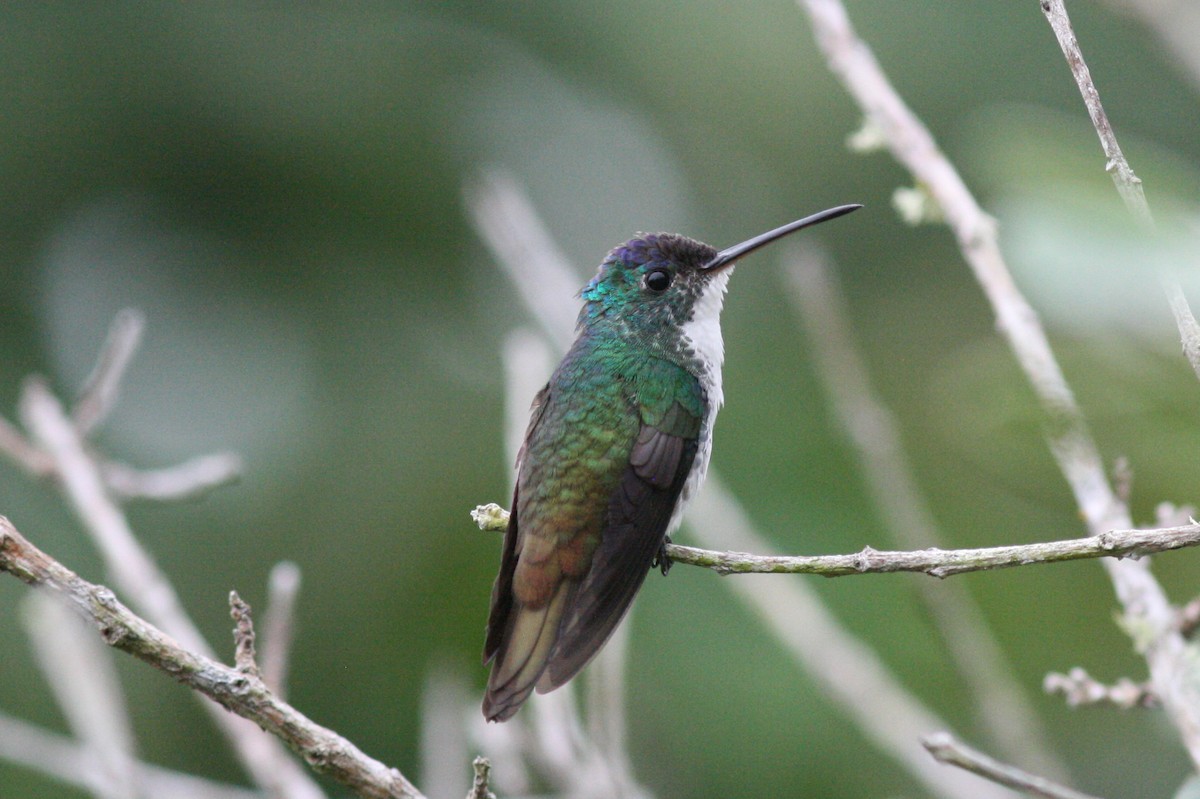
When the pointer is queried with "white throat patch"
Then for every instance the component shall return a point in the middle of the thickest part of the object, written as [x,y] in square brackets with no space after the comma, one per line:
[703,333]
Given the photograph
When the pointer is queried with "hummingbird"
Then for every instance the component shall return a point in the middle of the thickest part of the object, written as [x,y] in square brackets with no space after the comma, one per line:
[618,441]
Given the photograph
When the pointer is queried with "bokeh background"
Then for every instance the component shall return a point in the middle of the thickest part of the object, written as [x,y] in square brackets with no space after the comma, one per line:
[279,188]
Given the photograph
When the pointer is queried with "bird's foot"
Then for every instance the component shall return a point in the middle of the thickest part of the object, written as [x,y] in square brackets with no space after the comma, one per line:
[662,561]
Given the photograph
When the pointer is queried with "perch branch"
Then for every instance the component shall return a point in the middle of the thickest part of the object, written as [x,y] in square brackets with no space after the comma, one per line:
[934,562]
[945,749]
[242,693]
[845,668]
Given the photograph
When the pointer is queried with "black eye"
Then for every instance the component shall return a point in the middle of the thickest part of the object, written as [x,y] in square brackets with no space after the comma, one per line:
[657,279]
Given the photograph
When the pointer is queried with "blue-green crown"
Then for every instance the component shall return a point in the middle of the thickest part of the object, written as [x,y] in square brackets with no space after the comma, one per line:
[620,301]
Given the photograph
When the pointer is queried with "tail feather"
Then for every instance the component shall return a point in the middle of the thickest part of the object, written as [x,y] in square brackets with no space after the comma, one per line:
[523,655]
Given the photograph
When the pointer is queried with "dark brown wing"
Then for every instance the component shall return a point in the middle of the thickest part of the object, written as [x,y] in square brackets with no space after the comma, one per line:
[502,597]
[638,515]
[518,638]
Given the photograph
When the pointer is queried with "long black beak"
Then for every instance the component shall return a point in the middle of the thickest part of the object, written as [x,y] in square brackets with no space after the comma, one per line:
[730,254]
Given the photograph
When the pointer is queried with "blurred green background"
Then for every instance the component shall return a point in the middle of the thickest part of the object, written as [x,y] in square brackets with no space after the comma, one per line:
[279,188]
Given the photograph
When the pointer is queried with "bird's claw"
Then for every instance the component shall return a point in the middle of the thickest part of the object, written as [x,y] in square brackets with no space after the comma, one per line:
[662,561]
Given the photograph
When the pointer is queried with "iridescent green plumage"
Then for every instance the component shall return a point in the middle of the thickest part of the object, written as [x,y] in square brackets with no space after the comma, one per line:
[619,438]
[609,448]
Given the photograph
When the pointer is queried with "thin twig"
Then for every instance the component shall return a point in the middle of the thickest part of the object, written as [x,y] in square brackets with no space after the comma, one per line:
[946,749]
[84,681]
[1185,321]
[1145,604]
[241,693]
[1080,688]
[1146,607]
[1128,184]
[76,765]
[100,389]
[933,562]
[138,576]
[1001,705]
[243,636]
[279,626]
[22,452]
[191,479]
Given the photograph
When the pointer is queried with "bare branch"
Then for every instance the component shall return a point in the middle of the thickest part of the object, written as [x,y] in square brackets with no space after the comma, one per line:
[1000,703]
[946,749]
[1146,607]
[1128,184]
[188,480]
[243,636]
[1145,604]
[138,576]
[23,453]
[934,562]
[129,564]
[241,693]
[81,675]
[102,386]
[911,144]
[74,764]
[283,585]
[1189,329]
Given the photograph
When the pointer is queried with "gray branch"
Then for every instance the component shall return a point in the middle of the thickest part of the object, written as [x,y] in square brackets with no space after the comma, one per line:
[934,562]
[1146,607]
[945,749]
[244,694]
